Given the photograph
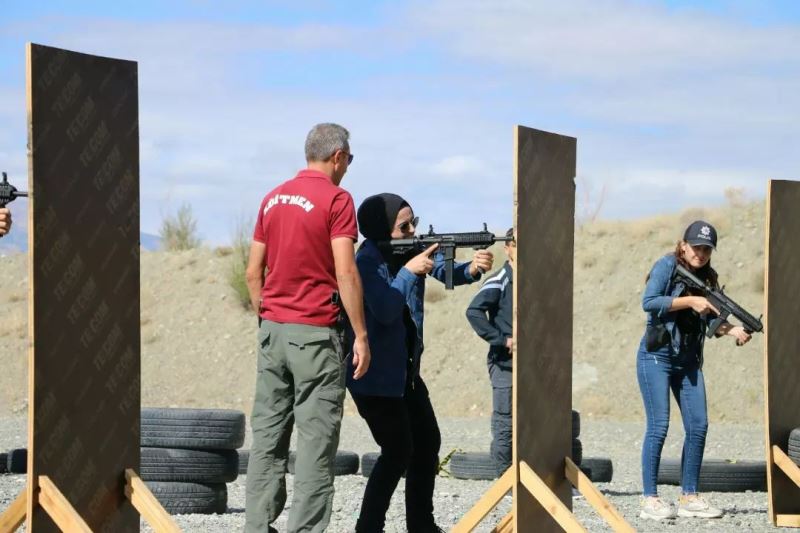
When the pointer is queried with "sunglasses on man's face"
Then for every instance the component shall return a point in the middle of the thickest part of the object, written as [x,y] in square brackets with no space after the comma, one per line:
[405,226]
[349,157]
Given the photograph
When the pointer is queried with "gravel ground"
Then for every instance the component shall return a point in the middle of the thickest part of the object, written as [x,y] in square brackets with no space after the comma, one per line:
[621,441]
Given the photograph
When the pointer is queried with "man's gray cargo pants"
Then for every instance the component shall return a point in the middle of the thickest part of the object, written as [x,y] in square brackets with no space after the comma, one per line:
[301,380]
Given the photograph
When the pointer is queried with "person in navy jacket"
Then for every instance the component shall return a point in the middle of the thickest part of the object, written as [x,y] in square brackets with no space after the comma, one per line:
[392,397]
[491,315]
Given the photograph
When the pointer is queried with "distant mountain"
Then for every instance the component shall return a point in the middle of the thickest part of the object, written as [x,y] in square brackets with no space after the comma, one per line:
[17,241]
[150,242]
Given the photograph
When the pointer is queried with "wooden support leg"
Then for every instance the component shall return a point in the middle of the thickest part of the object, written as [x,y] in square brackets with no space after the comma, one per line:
[548,500]
[487,502]
[13,517]
[787,520]
[147,505]
[506,525]
[59,508]
[786,464]
[595,498]
[792,471]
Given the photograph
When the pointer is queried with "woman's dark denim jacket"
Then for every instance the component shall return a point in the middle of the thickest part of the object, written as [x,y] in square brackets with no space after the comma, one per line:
[658,295]
[385,297]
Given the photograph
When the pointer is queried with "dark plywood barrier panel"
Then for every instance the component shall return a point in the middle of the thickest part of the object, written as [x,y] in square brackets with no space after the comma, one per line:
[782,356]
[544,217]
[84,388]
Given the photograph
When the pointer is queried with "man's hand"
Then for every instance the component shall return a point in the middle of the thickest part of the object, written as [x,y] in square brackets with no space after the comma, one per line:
[361,357]
[510,345]
[5,220]
[422,264]
[482,262]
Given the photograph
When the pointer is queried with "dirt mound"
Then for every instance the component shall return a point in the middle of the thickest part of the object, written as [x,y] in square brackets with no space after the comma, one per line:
[198,343]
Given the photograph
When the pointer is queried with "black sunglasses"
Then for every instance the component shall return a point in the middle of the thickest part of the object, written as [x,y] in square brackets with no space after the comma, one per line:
[349,158]
[408,223]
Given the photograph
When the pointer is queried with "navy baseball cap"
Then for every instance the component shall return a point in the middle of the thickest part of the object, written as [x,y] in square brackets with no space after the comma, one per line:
[701,233]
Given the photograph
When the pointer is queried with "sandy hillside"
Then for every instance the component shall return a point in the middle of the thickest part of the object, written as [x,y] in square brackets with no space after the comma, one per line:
[198,342]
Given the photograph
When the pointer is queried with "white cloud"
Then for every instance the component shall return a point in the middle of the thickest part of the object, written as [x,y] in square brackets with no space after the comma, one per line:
[458,165]
[665,104]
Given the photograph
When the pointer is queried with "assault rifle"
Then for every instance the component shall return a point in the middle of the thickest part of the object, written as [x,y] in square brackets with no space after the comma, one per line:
[8,193]
[721,301]
[448,242]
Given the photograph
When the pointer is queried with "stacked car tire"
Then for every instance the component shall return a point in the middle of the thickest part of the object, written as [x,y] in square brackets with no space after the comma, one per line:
[793,449]
[345,463]
[475,465]
[188,456]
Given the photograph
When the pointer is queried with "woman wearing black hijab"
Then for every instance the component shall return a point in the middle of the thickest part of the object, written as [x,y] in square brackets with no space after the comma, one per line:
[391,396]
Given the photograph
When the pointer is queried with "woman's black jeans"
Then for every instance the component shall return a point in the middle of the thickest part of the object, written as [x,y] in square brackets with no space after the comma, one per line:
[408,434]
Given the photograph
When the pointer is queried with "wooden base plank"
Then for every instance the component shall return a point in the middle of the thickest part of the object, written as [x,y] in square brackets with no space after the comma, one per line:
[147,504]
[506,525]
[787,520]
[14,516]
[595,498]
[551,503]
[487,502]
[786,464]
[59,508]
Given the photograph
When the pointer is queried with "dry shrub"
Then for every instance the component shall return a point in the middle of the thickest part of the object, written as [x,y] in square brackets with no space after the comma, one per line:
[587,261]
[179,232]
[735,196]
[691,214]
[223,251]
[16,297]
[240,252]
[758,281]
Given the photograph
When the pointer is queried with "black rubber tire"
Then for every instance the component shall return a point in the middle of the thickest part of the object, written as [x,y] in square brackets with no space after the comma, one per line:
[719,475]
[197,466]
[577,451]
[17,461]
[244,460]
[199,429]
[602,469]
[3,463]
[368,461]
[345,464]
[794,445]
[576,424]
[472,465]
[586,471]
[190,498]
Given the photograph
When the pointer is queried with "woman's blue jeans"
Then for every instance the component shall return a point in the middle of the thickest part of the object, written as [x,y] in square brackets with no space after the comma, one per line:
[658,373]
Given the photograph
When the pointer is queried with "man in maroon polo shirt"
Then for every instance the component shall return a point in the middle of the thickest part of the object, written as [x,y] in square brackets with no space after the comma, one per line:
[304,240]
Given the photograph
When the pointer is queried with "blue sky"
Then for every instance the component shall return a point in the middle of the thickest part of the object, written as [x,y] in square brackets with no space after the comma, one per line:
[671,103]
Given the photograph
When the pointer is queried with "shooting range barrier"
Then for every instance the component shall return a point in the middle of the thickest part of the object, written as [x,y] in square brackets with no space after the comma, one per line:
[84,360]
[542,472]
[781,368]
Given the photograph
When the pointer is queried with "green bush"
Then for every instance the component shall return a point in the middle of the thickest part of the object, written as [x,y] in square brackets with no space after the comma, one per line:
[180,232]
[239,256]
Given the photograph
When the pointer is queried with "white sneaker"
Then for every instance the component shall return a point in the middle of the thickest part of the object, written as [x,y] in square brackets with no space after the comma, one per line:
[696,506]
[656,509]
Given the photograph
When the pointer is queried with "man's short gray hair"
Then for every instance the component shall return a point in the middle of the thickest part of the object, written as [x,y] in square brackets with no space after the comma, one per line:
[324,139]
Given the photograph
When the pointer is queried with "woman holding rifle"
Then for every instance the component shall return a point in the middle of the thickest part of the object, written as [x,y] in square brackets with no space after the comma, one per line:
[392,397]
[670,356]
